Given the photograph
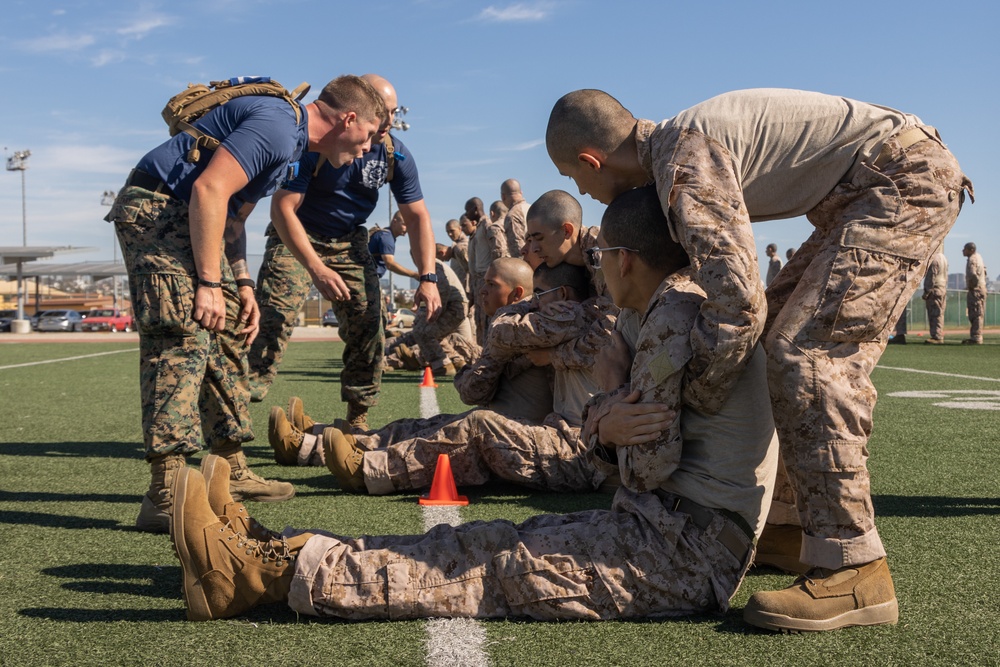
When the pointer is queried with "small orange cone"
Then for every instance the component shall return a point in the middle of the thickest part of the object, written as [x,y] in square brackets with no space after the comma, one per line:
[443,490]
[428,378]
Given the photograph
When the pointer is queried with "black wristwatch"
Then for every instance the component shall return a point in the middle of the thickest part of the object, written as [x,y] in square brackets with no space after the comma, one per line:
[208,283]
[245,282]
[429,278]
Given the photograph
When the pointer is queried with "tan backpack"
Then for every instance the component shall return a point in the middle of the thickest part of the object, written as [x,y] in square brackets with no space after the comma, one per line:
[198,99]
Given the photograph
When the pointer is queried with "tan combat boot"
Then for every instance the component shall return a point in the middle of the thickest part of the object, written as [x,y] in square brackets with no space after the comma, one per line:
[344,459]
[297,415]
[357,416]
[446,369]
[244,484]
[215,470]
[828,600]
[408,357]
[225,572]
[779,547]
[284,438]
[154,514]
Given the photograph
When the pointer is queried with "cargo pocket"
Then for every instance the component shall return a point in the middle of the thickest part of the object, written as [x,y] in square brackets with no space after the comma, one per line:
[164,304]
[867,281]
[556,586]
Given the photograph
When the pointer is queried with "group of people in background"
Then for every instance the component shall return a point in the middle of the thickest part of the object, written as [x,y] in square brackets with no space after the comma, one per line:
[641,356]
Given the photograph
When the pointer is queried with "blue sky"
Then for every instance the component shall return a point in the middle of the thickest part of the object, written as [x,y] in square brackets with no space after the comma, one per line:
[85,83]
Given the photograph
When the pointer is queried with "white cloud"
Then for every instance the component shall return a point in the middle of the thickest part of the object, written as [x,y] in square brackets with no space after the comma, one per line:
[106,57]
[517,12]
[526,146]
[142,26]
[57,42]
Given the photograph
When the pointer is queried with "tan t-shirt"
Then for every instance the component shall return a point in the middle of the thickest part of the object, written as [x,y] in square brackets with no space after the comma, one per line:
[792,147]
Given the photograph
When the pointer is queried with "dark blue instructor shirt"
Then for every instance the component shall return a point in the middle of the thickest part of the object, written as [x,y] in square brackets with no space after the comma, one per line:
[338,201]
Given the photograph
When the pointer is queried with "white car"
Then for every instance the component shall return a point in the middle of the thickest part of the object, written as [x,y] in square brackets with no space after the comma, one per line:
[60,320]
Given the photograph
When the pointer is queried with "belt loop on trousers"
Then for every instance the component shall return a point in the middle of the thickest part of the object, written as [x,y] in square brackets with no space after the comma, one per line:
[904,139]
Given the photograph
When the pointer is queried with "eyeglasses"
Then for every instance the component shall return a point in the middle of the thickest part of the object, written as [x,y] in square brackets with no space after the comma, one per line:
[594,254]
[537,294]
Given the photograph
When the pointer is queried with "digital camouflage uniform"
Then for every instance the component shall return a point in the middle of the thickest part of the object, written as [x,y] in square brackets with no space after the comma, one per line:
[460,263]
[936,294]
[640,559]
[192,381]
[453,318]
[515,227]
[282,287]
[829,310]
[975,283]
[483,443]
[487,244]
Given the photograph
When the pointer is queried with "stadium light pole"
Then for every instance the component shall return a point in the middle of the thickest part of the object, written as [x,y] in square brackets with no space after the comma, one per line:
[402,126]
[19,162]
[108,199]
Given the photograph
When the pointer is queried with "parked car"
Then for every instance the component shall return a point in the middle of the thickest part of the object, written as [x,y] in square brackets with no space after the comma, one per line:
[106,319]
[330,319]
[6,316]
[60,320]
[402,318]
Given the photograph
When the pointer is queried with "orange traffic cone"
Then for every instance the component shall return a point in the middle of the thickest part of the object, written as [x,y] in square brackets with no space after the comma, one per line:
[428,378]
[443,490]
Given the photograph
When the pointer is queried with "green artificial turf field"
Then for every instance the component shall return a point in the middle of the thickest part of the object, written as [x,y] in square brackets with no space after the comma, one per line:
[78,585]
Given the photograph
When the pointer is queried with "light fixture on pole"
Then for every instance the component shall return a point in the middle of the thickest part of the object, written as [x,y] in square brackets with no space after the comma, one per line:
[19,162]
[108,199]
[401,125]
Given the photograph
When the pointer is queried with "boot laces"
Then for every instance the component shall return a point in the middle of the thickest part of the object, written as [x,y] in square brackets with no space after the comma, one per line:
[275,550]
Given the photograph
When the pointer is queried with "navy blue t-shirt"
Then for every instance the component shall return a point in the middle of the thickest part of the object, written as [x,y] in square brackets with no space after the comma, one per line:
[382,242]
[258,130]
[338,201]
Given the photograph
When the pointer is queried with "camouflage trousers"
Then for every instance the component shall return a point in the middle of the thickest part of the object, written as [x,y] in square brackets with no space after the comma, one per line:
[829,313]
[482,445]
[637,560]
[480,321]
[282,287]
[429,335]
[975,300]
[935,301]
[460,348]
[193,383]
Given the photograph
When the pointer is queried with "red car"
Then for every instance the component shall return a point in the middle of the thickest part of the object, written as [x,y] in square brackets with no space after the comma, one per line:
[106,319]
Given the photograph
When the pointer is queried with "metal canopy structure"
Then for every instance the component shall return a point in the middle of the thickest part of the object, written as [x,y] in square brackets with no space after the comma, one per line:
[96,270]
[19,255]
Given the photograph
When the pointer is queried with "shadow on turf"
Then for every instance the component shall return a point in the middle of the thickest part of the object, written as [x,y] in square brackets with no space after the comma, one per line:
[115,579]
[932,506]
[51,497]
[57,520]
[123,450]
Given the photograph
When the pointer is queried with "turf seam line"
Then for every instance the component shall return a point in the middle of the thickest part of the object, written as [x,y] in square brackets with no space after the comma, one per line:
[950,375]
[54,361]
[455,642]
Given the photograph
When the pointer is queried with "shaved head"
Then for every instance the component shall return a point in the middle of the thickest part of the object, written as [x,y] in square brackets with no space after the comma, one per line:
[384,89]
[575,278]
[497,210]
[635,220]
[510,192]
[586,119]
[554,208]
[513,272]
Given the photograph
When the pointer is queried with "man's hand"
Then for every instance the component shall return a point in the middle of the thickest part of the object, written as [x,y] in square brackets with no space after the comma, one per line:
[249,315]
[612,363]
[629,422]
[427,293]
[209,308]
[330,284]
[541,356]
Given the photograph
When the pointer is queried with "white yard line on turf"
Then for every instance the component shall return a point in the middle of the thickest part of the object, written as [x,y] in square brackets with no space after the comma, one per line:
[54,361]
[455,642]
[950,375]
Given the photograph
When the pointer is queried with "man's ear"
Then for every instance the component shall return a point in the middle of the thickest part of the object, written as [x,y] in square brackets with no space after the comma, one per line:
[626,262]
[568,230]
[349,119]
[591,160]
[515,295]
